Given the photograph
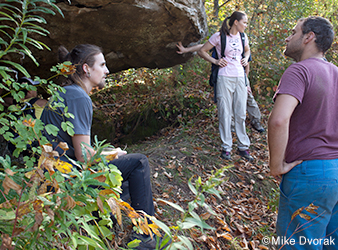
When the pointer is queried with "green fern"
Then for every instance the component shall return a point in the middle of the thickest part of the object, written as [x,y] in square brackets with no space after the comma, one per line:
[20,20]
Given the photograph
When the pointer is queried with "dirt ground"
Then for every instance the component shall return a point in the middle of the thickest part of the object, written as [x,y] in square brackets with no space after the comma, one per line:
[247,211]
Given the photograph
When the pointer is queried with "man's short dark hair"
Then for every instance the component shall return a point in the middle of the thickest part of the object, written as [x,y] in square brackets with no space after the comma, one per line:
[323,30]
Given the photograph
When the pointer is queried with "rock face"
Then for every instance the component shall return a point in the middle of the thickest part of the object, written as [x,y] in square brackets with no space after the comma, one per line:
[132,33]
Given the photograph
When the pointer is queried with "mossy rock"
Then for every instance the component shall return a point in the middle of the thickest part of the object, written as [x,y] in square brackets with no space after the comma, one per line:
[139,125]
[103,126]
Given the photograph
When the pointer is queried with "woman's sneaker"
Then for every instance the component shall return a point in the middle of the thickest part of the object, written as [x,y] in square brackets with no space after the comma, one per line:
[246,155]
[225,155]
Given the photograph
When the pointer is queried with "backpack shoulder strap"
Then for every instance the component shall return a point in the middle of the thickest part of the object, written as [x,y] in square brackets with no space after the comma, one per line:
[33,100]
[243,42]
[223,43]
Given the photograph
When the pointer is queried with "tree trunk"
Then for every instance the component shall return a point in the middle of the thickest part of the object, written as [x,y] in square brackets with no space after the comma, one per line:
[216,7]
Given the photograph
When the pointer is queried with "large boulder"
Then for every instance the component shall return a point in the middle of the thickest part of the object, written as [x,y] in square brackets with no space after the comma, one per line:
[132,33]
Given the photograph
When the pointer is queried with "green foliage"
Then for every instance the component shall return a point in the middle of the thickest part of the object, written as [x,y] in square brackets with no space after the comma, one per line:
[55,200]
[20,20]
[190,218]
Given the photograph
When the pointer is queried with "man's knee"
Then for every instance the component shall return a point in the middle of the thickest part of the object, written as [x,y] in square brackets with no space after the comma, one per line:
[143,162]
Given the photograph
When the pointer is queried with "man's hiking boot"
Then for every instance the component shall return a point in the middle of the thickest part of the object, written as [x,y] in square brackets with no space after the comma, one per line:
[225,155]
[246,155]
[148,243]
[258,126]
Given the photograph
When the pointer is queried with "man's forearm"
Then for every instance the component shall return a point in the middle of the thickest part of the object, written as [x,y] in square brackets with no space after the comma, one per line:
[278,134]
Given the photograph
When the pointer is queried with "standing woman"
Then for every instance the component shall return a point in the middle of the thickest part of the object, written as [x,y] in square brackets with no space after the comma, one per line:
[231,84]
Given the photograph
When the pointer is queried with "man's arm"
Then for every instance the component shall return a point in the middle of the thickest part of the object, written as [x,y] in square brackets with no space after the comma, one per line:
[278,134]
[247,69]
[77,140]
[183,50]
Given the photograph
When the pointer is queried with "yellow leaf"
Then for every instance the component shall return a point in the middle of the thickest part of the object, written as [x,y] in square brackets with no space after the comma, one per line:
[81,204]
[23,209]
[115,209]
[111,157]
[305,216]
[45,161]
[29,123]
[63,167]
[106,192]
[68,69]
[311,208]
[38,205]
[226,236]
[143,224]
[30,174]
[131,213]
[299,210]
[154,228]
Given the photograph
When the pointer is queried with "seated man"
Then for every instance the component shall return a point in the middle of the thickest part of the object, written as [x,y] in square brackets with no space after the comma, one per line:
[90,72]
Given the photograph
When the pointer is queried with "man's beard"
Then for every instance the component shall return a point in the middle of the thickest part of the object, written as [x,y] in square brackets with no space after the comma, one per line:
[294,50]
[102,84]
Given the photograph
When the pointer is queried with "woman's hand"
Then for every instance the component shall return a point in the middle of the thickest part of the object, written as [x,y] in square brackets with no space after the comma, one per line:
[221,62]
[244,62]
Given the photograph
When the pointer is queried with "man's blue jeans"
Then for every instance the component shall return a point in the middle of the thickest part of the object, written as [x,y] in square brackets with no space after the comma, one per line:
[311,182]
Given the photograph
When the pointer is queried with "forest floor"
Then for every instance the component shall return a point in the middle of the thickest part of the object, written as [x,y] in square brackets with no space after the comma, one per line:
[246,212]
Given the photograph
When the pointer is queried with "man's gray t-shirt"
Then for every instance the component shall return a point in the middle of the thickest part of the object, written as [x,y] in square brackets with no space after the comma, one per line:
[80,105]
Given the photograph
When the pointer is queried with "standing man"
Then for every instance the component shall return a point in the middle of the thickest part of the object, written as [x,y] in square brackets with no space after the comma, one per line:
[303,140]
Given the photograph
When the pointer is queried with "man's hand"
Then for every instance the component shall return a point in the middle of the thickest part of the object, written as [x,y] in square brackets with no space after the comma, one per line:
[181,48]
[249,89]
[284,168]
[119,151]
